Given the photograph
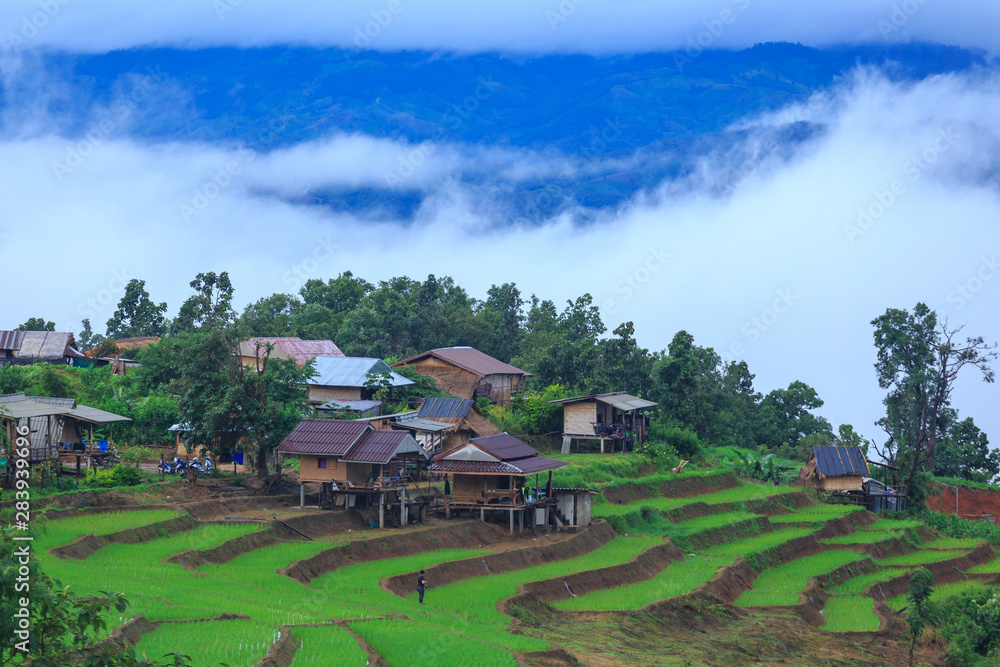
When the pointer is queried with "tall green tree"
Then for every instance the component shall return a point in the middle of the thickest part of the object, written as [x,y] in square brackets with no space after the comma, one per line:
[210,307]
[136,314]
[917,362]
[503,317]
[627,367]
[964,451]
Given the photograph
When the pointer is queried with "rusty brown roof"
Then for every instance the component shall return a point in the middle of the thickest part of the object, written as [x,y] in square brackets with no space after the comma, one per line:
[468,359]
[11,340]
[299,350]
[377,446]
[323,436]
[505,446]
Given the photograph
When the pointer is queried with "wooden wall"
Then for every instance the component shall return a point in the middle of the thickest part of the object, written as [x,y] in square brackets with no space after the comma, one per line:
[335,470]
[450,379]
[321,394]
[579,418]
[841,483]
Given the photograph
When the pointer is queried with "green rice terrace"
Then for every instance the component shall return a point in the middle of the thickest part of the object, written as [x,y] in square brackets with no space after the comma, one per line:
[697,568]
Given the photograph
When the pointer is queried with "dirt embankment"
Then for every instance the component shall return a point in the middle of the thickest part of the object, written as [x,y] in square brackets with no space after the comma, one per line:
[86,545]
[465,535]
[282,652]
[315,525]
[643,567]
[683,487]
[73,512]
[206,510]
[722,534]
[972,503]
[590,538]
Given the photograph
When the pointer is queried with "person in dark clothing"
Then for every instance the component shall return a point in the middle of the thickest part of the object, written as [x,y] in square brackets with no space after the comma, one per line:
[421,586]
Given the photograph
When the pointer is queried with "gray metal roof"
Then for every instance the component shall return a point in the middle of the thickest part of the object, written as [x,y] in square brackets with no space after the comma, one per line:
[48,346]
[94,415]
[427,425]
[619,399]
[439,407]
[25,409]
[352,372]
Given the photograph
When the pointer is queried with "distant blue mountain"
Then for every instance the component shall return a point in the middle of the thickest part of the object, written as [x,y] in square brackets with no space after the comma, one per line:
[662,111]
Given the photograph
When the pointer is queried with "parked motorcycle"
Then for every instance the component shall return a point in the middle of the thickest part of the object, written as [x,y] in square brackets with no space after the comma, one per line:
[178,467]
[203,468]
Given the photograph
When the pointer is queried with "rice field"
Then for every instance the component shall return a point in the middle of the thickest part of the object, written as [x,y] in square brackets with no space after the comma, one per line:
[816,514]
[236,642]
[758,543]
[992,567]
[60,532]
[780,586]
[859,584]
[895,524]
[325,645]
[865,537]
[940,592]
[850,613]
[679,578]
[952,543]
[703,523]
[737,494]
[920,557]
[407,643]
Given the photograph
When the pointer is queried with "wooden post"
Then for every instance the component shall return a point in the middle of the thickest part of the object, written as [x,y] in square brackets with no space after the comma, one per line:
[381,510]
[602,445]
[402,507]
[511,520]
[302,495]
[482,514]
[522,522]
[546,516]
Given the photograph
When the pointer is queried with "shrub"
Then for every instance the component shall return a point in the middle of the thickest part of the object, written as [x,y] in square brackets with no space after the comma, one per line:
[118,476]
[683,441]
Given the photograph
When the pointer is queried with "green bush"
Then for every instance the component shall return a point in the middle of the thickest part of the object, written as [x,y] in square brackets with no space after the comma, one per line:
[683,442]
[118,476]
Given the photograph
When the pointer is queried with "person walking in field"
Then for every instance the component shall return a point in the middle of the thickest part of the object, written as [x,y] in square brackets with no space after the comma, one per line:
[421,586]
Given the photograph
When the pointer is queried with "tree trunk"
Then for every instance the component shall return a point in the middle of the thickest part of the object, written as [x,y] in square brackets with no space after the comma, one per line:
[261,461]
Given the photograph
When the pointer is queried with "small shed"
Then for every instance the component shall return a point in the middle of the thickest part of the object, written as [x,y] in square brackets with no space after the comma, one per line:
[618,418]
[493,474]
[835,469]
[574,505]
[55,347]
[343,379]
[465,372]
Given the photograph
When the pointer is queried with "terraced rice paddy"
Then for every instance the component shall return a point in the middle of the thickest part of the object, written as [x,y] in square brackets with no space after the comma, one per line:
[758,543]
[992,567]
[236,642]
[679,578]
[860,583]
[816,514]
[738,494]
[941,591]
[865,537]
[895,524]
[321,645]
[850,613]
[920,557]
[63,531]
[952,543]
[780,586]
[407,643]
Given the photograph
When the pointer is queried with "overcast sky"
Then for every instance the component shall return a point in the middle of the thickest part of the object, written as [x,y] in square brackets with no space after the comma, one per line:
[784,272]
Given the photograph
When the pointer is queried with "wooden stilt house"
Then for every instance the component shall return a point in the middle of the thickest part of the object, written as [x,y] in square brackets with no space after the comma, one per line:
[835,469]
[617,420]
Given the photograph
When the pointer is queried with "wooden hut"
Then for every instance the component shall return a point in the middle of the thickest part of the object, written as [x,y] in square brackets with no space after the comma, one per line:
[354,460]
[617,419]
[835,469]
[465,372]
[29,347]
[344,379]
[493,474]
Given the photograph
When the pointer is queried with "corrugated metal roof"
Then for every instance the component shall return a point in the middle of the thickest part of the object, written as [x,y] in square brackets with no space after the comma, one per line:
[324,436]
[618,399]
[25,409]
[505,446]
[11,340]
[94,415]
[48,346]
[469,359]
[436,407]
[293,346]
[352,372]
[838,461]
[339,404]
[526,466]
[380,447]
[424,425]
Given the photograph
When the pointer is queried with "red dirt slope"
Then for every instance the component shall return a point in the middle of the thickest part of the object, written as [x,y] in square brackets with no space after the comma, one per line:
[971,502]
